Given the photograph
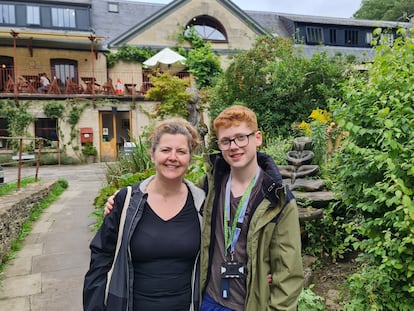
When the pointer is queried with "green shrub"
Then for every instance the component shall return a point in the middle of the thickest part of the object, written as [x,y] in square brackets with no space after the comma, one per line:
[375,176]
[277,147]
[309,301]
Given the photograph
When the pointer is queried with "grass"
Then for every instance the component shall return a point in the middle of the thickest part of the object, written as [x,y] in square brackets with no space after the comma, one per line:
[9,187]
[34,215]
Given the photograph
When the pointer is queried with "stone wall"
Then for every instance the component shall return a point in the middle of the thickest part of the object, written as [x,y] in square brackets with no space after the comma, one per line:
[15,209]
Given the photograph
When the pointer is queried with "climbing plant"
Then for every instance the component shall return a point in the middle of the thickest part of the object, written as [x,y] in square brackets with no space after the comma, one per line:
[18,118]
[129,53]
[202,62]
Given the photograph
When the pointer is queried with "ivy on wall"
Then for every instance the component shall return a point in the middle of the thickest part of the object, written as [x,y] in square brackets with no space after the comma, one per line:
[129,54]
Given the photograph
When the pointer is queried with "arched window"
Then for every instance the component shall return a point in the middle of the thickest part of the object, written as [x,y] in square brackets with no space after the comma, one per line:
[208,28]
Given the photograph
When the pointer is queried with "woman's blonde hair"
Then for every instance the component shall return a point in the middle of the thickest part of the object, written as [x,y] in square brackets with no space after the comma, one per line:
[175,126]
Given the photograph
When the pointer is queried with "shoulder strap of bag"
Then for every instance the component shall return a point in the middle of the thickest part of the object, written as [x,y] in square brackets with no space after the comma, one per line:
[119,240]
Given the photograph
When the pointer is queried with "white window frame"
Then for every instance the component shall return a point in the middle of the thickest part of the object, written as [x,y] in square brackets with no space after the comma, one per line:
[7,14]
[33,15]
[63,17]
[113,7]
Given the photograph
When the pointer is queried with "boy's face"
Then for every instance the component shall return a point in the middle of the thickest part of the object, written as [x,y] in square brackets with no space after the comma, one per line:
[238,145]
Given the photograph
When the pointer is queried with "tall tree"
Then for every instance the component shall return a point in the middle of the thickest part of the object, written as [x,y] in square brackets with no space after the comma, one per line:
[278,83]
[391,10]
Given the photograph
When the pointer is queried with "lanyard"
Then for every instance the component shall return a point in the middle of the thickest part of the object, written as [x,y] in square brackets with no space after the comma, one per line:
[231,234]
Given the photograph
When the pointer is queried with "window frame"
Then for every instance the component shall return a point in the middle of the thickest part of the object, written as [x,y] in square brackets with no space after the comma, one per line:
[351,37]
[63,17]
[208,28]
[7,14]
[47,129]
[314,35]
[33,17]
[113,7]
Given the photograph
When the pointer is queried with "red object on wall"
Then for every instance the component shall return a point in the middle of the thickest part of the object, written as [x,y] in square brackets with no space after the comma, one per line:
[86,134]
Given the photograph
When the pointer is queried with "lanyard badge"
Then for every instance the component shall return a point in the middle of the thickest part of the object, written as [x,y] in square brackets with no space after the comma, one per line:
[233,269]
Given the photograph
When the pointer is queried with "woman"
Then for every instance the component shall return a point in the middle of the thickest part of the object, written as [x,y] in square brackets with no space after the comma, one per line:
[155,267]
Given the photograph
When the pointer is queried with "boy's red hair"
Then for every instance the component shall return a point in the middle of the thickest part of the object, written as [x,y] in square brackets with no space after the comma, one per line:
[234,116]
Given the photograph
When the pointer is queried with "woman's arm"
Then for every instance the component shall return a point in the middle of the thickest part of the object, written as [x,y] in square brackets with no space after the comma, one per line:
[102,249]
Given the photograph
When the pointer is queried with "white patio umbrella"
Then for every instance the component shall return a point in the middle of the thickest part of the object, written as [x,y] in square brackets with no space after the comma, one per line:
[166,60]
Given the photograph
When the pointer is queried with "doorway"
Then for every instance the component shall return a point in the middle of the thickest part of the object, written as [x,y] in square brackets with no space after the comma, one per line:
[115,129]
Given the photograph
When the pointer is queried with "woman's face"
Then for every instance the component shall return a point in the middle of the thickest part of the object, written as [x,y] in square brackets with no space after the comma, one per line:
[171,156]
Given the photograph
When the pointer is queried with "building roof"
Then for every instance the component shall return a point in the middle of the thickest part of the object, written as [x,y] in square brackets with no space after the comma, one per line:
[133,16]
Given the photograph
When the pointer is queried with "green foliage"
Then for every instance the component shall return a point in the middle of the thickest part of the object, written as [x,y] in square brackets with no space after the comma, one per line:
[17,115]
[197,169]
[281,86]
[202,62]
[106,192]
[170,92]
[390,10]
[6,188]
[138,160]
[375,176]
[129,54]
[54,109]
[308,300]
[89,149]
[277,148]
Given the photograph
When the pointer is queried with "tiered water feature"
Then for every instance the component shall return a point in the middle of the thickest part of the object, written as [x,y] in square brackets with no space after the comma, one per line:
[311,193]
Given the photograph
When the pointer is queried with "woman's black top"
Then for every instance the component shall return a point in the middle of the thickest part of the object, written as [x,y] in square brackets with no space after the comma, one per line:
[163,255]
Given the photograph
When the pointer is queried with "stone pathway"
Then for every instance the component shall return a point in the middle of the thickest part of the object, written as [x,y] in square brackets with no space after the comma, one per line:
[47,273]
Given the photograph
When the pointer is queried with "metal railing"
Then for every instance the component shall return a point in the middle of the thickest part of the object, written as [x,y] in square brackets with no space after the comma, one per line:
[75,82]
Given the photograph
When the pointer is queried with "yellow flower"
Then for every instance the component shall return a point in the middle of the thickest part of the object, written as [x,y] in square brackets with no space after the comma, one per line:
[320,115]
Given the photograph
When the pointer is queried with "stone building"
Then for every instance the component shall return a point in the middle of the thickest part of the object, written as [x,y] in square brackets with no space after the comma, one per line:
[68,41]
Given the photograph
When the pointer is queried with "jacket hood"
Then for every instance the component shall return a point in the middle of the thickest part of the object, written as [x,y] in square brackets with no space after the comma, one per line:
[272,178]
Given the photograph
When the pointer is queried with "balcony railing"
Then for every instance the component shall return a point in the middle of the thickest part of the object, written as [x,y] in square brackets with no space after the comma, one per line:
[75,82]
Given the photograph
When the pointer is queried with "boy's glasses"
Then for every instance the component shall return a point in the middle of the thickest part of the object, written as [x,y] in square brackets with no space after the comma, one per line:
[240,141]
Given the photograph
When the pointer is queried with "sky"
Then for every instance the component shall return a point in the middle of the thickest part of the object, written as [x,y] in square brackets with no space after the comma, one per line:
[330,8]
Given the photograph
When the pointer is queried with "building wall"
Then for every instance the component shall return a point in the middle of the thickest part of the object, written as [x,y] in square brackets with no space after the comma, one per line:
[164,32]
[90,119]
[40,61]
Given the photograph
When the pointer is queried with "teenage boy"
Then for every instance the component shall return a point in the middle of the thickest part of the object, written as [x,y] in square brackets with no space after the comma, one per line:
[251,229]
[251,225]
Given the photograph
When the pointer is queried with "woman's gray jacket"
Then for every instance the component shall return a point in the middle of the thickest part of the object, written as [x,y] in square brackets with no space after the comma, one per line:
[103,250]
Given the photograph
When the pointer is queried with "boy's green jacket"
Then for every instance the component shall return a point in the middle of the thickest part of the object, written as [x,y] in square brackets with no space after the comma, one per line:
[273,239]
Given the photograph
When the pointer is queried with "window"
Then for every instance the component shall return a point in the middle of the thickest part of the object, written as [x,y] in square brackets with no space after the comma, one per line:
[314,35]
[7,14]
[46,128]
[387,38]
[4,132]
[113,7]
[208,28]
[33,15]
[332,36]
[63,18]
[368,38]
[351,37]
[64,69]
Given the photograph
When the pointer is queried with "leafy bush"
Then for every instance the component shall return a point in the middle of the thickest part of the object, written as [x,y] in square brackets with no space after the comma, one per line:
[277,148]
[281,86]
[308,300]
[375,177]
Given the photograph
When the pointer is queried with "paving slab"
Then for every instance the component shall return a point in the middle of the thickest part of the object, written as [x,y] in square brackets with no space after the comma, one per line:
[47,273]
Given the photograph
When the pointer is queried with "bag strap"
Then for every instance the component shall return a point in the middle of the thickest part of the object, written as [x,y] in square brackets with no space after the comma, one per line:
[119,240]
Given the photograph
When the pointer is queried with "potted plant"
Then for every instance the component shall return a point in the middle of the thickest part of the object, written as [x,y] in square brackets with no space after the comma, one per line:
[90,152]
